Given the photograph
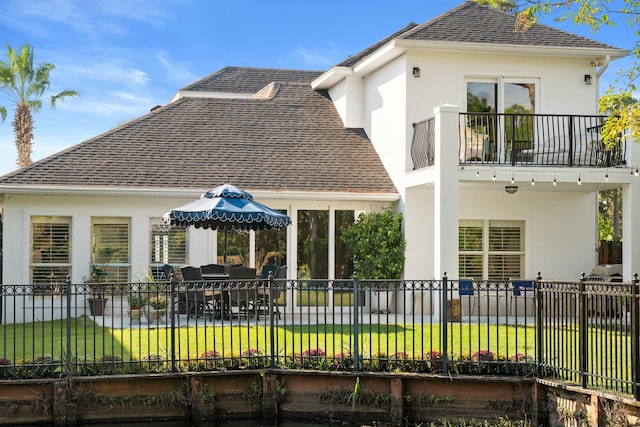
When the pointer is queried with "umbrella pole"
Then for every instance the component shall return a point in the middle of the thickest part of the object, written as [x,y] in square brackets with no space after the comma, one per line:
[224,252]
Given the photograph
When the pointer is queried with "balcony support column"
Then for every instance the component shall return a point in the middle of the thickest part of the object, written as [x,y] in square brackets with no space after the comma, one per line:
[630,234]
[446,191]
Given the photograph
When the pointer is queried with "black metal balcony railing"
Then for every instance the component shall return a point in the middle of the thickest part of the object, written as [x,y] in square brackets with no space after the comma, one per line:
[422,145]
[525,139]
[582,332]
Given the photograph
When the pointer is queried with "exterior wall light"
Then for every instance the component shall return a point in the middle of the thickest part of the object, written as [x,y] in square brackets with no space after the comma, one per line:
[587,79]
[511,189]
[416,71]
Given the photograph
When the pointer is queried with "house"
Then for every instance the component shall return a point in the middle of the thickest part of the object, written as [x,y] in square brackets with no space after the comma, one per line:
[484,138]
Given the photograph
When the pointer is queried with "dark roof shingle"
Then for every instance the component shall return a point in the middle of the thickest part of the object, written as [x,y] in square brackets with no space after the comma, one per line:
[293,141]
[472,23]
[248,80]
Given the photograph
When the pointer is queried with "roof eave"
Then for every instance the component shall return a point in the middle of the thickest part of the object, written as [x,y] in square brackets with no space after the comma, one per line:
[331,77]
[397,47]
[381,56]
[370,63]
[191,192]
[512,49]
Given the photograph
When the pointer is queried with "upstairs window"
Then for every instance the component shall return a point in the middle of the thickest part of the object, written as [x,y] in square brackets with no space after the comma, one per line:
[506,137]
[491,250]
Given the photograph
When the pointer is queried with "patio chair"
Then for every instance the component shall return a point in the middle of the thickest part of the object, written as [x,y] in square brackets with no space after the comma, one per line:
[167,270]
[268,269]
[194,294]
[212,269]
[523,299]
[243,293]
[264,294]
[468,298]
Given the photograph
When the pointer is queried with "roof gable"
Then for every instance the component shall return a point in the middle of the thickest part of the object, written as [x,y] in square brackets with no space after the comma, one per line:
[366,52]
[473,23]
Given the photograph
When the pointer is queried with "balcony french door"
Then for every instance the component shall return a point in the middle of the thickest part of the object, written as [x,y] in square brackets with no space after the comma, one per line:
[511,139]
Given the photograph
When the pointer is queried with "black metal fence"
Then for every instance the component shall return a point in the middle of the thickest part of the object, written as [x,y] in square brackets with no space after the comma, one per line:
[582,332]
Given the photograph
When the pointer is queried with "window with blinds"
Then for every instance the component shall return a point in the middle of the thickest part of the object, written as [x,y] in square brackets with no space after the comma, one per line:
[50,262]
[110,250]
[470,249]
[492,250]
[168,244]
[506,253]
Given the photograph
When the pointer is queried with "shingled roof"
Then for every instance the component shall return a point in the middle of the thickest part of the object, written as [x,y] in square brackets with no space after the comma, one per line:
[248,80]
[473,23]
[289,137]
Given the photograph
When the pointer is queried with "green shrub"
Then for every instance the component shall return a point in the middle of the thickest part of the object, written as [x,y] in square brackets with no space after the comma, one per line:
[377,243]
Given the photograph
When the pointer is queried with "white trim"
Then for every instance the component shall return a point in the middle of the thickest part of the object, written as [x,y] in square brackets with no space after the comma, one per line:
[513,49]
[397,47]
[190,192]
[216,95]
[331,77]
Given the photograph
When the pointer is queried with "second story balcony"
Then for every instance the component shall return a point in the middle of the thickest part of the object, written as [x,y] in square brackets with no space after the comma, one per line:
[524,140]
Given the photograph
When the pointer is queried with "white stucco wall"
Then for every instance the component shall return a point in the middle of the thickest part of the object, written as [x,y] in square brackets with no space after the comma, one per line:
[385,116]
[560,230]
[338,95]
[18,210]
[419,234]
[561,80]
[140,210]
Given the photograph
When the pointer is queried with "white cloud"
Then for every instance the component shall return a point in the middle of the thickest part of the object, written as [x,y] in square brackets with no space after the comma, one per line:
[113,104]
[176,71]
[318,57]
[63,12]
[110,71]
[87,17]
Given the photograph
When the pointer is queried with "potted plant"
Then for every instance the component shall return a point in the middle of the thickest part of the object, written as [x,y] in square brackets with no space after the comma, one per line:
[156,308]
[377,243]
[97,301]
[136,302]
[97,278]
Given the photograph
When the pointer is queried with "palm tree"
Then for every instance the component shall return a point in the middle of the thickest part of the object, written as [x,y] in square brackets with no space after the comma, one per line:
[25,87]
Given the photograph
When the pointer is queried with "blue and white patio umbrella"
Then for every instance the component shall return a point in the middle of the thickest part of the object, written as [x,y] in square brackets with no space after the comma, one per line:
[227,208]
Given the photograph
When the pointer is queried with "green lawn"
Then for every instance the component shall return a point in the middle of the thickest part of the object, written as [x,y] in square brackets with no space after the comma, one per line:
[90,341]
[23,344]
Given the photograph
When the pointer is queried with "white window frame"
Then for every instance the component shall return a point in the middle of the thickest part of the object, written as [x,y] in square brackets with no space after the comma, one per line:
[55,285]
[116,221]
[500,99]
[159,243]
[486,253]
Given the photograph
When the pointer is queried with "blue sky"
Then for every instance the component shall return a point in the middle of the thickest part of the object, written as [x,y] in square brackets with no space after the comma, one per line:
[126,56]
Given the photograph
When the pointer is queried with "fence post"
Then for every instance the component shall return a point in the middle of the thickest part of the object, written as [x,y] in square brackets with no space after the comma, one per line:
[172,291]
[356,338]
[68,366]
[583,353]
[539,304]
[272,341]
[443,325]
[635,339]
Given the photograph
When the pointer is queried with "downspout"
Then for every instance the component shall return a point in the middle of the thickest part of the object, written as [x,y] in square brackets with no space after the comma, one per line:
[602,69]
